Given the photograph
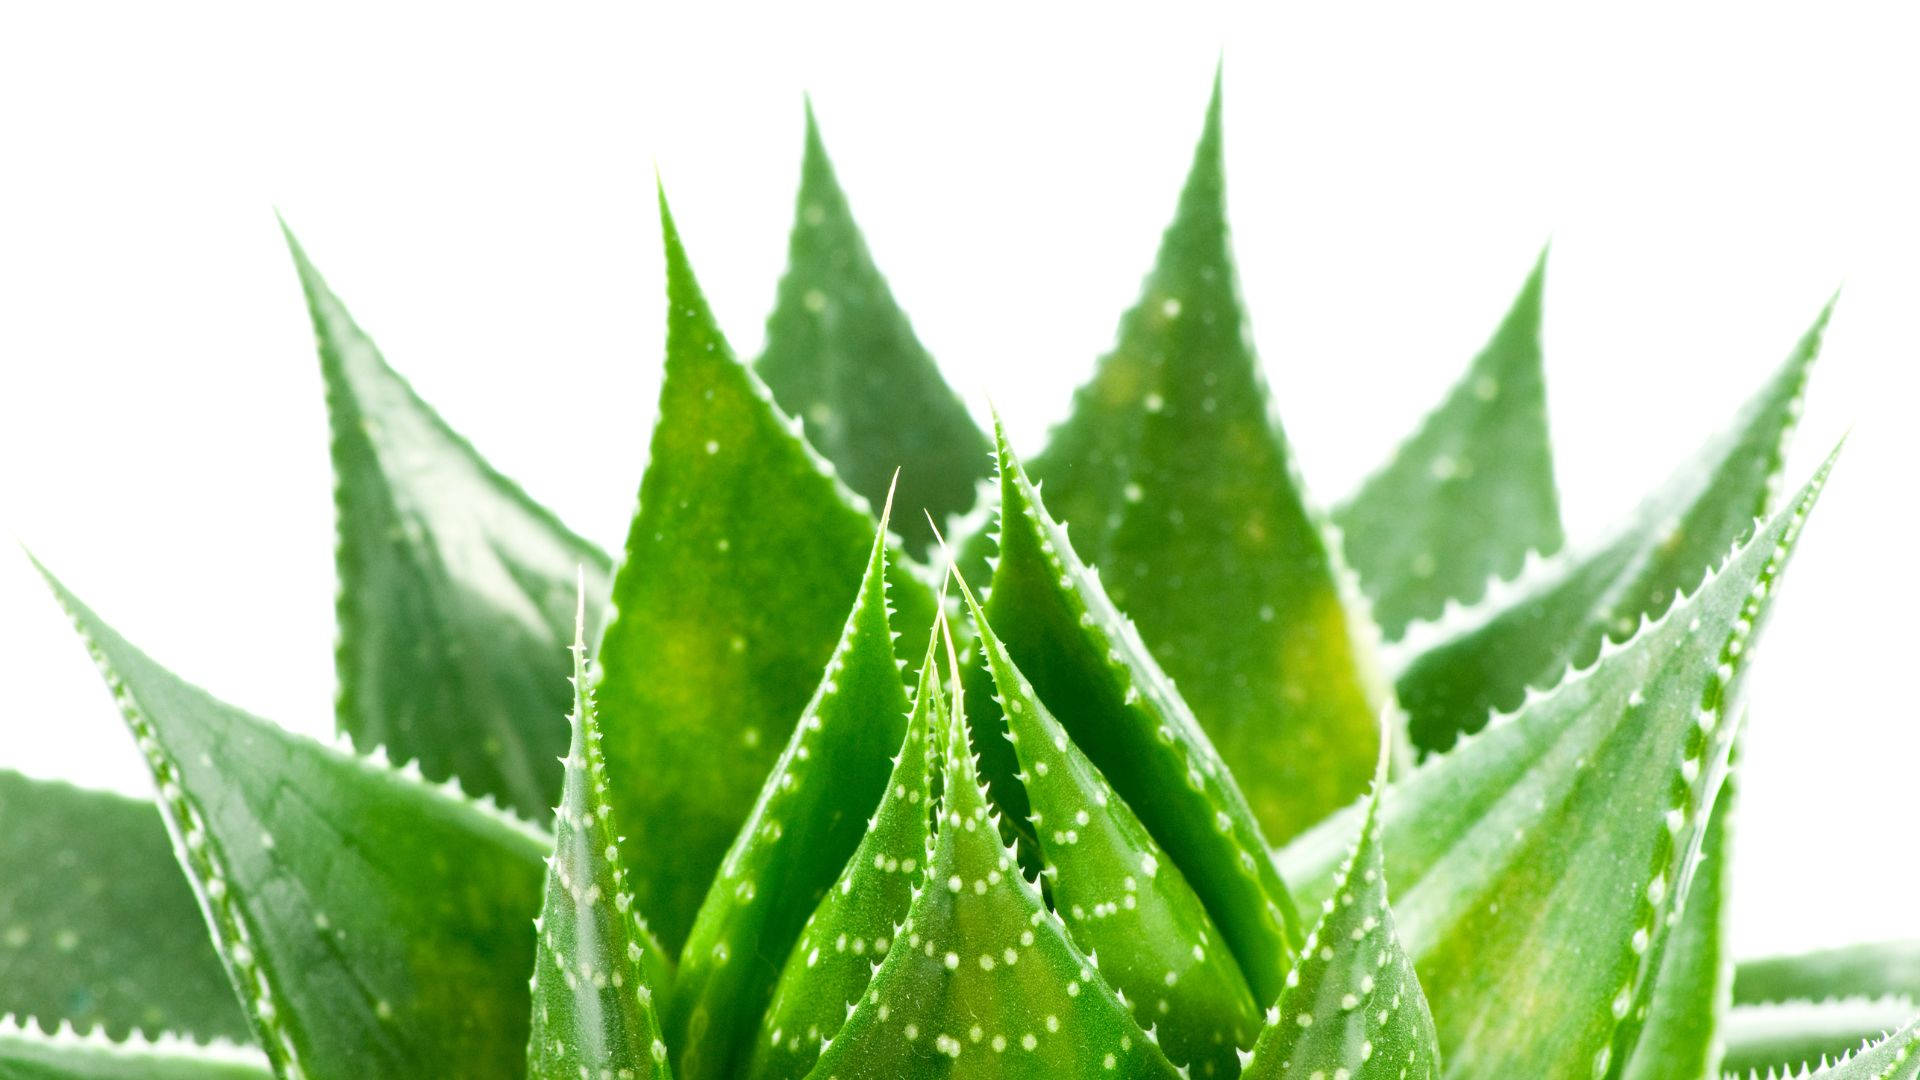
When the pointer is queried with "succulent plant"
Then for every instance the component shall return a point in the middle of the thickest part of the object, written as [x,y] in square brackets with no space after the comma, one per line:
[1163,772]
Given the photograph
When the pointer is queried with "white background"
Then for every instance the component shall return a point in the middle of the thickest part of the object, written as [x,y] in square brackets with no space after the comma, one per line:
[477,183]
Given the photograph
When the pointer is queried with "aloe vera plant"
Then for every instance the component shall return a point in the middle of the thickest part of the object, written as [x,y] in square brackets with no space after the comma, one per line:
[1158,769]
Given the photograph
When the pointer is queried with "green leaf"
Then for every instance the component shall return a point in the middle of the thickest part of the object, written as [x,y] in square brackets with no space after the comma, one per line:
[810,817]
[456,589]
[982,981]
[1471,494]
[1880,968]
[1179,484]
[1682,1037]
[1526,634]
[841,356]
[1090,668]
[728,603]
[27,1053]
[374,925]
[98,926]
[1570,829]
[1896,1057]
[1352,1006]
[598,967]
[1120,895]
[830,966]
[1788,1036]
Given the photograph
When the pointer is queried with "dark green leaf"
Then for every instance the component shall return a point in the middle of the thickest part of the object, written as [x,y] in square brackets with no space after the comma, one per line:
[26,1053]
[1785,1037]
[1352,1006]
[1887,967]
[1471,494]
[811,814]
[1121,896]
[375,926]
[1570,829]
[732,593]
[1179,484]
[1094,674]
[1682,1037]
[832,963]
[1484,659]
[842,357]
[598,967]
[98,925]
[982,981]
[456,589]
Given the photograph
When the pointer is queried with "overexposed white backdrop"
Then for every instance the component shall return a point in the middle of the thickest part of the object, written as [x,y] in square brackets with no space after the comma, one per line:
[477,180]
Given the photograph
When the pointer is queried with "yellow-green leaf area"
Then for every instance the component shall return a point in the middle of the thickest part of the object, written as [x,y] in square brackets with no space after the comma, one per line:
[1177,481]
[728,603]
[811,814]
[1089,666]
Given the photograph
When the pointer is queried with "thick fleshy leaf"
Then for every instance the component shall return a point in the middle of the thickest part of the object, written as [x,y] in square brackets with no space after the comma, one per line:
[832,963]
[1090,668]
[841,356]
[1683,1036]
[1120,895]
[810,816]
[1571,829]
[1471,494]
[982,981]
[1352,1006]
[1530,632]
[1896,1057]
[731,596]
[98,926]
[1787,1037]
[1880,968]
[376,926]
[598,968]
[27,1053]
[1179,484]
[456,589]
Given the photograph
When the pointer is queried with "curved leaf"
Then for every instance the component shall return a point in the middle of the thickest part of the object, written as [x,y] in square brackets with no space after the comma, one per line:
[832,963]
[1791,1036]
[809,819]
[981,981]
[1683,1036]
[1120,895]
[1179,484]
[727,605]
[841,356]
[1896,1057]
[98,926]
[1471,493]
[1352,1006]
[1880,968]
[375,926]
[27,1053]
[456,589]
[1094,674]
[597,968]
[1477,661]
[1571,829]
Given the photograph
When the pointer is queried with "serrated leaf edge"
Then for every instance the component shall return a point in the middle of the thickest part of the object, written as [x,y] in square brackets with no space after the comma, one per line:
[65,1035]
